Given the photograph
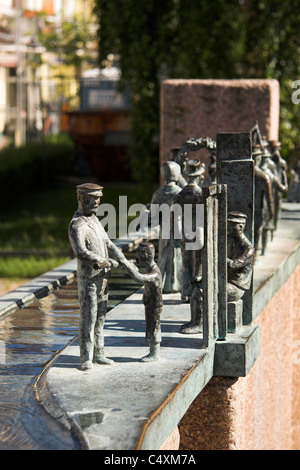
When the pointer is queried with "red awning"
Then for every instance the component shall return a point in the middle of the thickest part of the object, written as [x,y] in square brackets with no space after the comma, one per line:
[8,60]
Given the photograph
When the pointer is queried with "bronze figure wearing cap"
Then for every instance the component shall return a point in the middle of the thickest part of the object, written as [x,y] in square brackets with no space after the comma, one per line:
[240,257]
[240,261]
[96,255]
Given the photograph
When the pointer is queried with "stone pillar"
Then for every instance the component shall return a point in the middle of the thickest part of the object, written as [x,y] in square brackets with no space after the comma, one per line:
[235,168]
[203,108]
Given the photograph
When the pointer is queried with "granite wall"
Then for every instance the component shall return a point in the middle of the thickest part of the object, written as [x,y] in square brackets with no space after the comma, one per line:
[202,108]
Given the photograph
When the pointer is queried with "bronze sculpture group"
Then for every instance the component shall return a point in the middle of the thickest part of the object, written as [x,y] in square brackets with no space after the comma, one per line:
[177,269]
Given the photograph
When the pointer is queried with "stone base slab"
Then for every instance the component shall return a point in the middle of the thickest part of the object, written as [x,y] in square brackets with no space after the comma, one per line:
[235,356]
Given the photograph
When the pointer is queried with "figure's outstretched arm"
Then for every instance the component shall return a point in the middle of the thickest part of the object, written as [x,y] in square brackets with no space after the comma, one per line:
[136,275]
[115,253]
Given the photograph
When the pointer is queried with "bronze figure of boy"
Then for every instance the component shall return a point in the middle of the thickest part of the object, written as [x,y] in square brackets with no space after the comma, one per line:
[152,297]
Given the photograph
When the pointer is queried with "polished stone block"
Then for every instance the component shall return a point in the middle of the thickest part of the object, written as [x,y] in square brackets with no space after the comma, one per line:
[235,356]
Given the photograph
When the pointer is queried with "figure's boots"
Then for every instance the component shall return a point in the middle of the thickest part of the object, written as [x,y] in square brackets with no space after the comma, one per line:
[154,354]
[86,365]
[100,358]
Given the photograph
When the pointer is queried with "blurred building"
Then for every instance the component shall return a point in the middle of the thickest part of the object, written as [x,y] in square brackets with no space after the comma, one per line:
[45,45]
[100,127]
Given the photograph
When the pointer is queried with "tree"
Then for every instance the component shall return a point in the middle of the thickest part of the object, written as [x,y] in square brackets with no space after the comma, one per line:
[272,49]
[136,32]
[157,39]
[67,40]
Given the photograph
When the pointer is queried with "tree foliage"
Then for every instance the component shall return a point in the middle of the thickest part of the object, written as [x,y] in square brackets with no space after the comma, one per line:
[66,40]
[157,39]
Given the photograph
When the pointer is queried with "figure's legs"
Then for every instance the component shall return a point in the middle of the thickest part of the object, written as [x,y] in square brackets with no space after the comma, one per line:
[170,267]
[187,272]
[102,298]
[87,294]
[196,305]
[197,263]
[257,236]
[153,333]
[277,209]
[234,293]
[264,240]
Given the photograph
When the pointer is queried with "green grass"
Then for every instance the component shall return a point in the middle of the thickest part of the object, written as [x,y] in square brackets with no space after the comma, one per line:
[39,223]
[17,267]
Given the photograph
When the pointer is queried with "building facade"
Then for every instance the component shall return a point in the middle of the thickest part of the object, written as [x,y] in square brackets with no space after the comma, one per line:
[44,47]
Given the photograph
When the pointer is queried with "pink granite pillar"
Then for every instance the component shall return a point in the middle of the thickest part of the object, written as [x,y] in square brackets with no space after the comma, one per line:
[202,108]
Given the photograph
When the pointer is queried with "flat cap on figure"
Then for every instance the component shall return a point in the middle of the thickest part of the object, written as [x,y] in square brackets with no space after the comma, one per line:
[90,189]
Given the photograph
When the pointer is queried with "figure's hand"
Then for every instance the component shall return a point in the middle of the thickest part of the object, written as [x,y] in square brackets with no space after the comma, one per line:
[102,265]
[196,279]
[110,263]
[113,263]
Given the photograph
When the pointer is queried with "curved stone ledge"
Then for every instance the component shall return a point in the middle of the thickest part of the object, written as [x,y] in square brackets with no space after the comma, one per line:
[38,287]
[131,405]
